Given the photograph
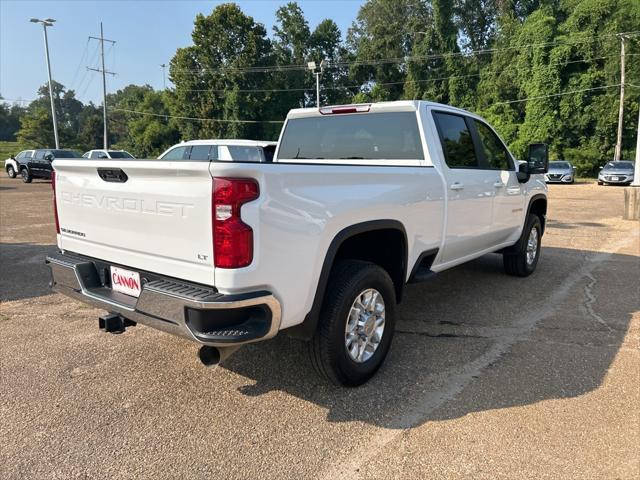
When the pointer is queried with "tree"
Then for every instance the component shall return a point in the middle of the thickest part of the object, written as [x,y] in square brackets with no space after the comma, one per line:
[212,76]
[9,120]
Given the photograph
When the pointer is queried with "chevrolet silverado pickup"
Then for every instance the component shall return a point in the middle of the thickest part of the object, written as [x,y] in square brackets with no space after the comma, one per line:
[320,243]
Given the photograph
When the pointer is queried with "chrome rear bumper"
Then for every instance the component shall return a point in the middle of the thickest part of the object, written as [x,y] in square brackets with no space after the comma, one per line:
[188,310]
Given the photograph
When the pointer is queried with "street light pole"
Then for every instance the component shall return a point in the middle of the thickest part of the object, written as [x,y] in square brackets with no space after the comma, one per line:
[317,71]
[164,76]
[48,22]
[636,173]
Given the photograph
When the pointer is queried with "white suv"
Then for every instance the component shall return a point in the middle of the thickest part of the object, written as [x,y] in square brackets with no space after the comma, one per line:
[222,150]
[108,154]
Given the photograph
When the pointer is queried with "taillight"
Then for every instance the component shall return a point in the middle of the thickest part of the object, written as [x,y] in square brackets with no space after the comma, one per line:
[55,203]
[232,238]
[360,108]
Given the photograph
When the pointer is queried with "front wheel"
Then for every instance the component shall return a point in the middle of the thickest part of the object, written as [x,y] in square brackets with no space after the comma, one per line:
[523,259]
[11,171]
[26,176]
[357,321]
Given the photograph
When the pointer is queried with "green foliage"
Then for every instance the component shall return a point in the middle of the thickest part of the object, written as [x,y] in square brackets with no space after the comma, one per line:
[510,61]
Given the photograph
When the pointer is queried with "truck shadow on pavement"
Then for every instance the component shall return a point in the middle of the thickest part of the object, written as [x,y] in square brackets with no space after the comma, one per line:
[23,273]
[472,340]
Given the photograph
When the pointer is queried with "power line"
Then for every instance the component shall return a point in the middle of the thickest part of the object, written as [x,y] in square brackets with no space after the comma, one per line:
[396,60]
[556,94]
[195,118]
[347,87]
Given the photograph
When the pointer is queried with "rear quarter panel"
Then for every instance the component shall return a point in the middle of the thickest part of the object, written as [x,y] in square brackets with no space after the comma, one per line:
[303,207]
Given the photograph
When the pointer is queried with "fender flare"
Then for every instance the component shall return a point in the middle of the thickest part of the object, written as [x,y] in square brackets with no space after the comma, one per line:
[538,196]
[307,328]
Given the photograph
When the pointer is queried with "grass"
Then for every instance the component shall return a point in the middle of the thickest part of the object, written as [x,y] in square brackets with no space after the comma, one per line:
[7,149]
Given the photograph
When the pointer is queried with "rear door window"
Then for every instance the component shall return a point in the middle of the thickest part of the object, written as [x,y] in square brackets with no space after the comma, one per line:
[200,152]
[39,154]
[366,136]
[245,154]
[456,139]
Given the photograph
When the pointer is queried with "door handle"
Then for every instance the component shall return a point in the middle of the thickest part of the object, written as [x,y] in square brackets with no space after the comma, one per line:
[457,186]
[498,184]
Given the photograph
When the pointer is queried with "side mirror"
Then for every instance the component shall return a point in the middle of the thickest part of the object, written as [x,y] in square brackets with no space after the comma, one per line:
[48,158]
[12,156]
[523,174]
[538,160]
[600,168]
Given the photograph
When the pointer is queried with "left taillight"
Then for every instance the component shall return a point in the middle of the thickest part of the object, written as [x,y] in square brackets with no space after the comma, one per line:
[232,238]
[55,203]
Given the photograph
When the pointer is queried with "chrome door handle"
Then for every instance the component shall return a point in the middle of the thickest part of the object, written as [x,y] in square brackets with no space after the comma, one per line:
[457,186]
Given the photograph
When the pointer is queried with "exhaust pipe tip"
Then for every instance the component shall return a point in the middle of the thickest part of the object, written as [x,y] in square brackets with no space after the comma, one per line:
[212,356]
[209,356]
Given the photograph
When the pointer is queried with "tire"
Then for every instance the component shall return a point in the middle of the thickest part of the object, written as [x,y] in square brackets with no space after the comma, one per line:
[11,173]
[26,176]
[517,262]
[328,348]
[600,183]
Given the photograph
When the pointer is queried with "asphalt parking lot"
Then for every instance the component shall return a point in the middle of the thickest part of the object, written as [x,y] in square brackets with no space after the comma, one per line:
[488,377]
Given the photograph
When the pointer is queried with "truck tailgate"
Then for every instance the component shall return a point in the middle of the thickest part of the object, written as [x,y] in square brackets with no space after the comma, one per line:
[158,219]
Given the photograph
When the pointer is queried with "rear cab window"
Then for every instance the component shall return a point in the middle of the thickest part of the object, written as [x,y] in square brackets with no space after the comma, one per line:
[349,138]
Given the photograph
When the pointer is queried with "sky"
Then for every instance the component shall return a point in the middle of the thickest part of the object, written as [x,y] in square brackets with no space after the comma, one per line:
[147,34]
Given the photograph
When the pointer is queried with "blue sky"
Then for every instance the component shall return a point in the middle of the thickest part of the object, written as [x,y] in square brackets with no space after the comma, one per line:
[147,32]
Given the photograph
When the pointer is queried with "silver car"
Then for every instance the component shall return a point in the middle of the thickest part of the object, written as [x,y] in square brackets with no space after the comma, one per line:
[619,173]
[560,172]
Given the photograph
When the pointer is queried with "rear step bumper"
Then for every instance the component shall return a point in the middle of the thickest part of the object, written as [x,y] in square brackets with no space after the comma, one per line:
[188,310]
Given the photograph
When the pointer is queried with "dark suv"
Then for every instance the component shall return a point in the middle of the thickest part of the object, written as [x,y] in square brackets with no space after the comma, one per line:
[37,163]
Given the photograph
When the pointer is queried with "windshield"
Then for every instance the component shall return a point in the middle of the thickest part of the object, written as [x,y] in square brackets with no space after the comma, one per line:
[65,154]
[620,165]
[559,165]
[119,154]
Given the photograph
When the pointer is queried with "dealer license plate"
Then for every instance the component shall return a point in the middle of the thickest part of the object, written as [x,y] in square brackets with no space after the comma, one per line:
[125,281]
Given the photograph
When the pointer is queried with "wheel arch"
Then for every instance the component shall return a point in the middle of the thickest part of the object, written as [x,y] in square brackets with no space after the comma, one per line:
[342,246]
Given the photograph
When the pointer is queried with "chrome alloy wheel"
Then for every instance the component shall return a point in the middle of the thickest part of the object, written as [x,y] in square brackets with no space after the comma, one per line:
[365,325]
[532,246]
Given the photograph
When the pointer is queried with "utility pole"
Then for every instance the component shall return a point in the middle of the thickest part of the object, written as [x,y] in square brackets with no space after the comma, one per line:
[636,175]
[104,82]
[317,71]
[164,78]
[618,153]
[48,22]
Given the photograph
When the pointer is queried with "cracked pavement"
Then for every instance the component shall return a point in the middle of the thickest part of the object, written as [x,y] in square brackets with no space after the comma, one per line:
[488,377]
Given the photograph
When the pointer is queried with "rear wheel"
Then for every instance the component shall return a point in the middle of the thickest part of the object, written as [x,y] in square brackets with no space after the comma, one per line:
[356,326]
[600,183]
[523,259]
[11,171]
[26,176]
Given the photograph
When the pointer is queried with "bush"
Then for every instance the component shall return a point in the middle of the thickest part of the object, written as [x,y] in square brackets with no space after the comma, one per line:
[586,160]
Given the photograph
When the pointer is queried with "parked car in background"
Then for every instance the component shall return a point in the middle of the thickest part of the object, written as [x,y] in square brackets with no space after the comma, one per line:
[222,150]
[11,164]
[92,154]
[618,173]
[560,172]
[37,163]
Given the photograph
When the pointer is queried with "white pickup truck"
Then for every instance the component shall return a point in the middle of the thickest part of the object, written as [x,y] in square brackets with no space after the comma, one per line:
[359,201]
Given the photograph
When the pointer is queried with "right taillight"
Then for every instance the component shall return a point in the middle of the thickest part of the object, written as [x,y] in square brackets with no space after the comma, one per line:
[232,238]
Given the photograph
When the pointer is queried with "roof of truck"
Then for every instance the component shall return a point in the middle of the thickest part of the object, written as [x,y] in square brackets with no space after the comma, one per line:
[396,106]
